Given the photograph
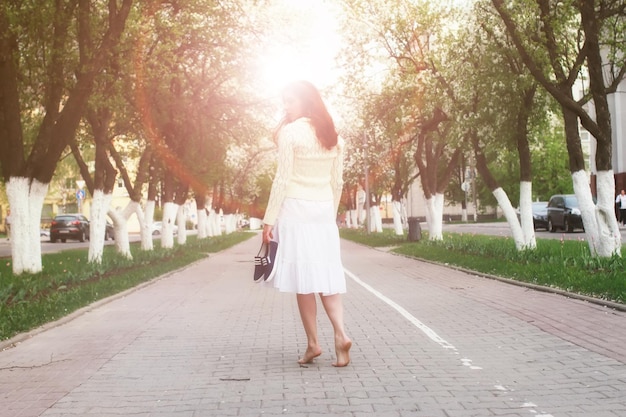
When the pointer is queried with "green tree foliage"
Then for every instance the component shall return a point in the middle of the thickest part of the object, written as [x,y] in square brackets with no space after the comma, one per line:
[52,53]
[550,167]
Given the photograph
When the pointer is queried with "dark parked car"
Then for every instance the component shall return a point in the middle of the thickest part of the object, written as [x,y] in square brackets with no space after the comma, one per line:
[564,213]
[540,215]
[69,226]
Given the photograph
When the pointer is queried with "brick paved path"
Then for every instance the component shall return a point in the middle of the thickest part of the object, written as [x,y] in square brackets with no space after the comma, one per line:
[428,341]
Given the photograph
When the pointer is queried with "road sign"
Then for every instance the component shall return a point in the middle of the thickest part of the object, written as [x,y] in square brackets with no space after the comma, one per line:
[80,194]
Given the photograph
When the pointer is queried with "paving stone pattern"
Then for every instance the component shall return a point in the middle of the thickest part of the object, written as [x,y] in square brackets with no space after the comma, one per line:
[429,341]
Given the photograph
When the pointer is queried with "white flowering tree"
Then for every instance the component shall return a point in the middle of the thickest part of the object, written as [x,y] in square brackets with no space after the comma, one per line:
[410,34]
[500,107]
[389,113]
[564,41]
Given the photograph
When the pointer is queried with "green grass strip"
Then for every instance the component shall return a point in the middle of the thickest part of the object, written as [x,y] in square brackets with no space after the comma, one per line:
[560,264]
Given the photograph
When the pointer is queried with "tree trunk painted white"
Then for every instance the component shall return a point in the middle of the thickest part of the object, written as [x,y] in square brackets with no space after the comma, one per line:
[255,223]
[526,216]
[207,223]
[220,222]
[100,204]
[511,217]
[608,237]
[120,225]
[170,210]
[405,214]
[202,224]
[464,215]
[238,218]
[234,221]
[360,206]
[211,223]
[372,220]
[181,224]
[26,201]
[227,222]
[216,226]
[434,217]
[230,223]
[397,218]
[354,219]
[147,241]
[378,220]
[348,219]
[366,222]
[587,209]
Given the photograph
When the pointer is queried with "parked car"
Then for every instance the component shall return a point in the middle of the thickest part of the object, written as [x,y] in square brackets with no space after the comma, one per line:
[564,213]
[540,215]
[69,226]
[244,223]
[157,228]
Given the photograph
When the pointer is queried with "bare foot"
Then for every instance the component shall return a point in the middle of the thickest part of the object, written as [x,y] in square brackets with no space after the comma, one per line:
[343,353]
[310,354]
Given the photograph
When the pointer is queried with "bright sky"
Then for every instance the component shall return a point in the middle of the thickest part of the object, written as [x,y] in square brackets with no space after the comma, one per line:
[309,45]
[311,57]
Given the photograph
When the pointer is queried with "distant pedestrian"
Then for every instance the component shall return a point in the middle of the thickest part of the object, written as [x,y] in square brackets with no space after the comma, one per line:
[7,224]
[621,203]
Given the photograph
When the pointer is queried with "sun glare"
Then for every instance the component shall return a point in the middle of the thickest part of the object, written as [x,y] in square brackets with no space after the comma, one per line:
[308,50]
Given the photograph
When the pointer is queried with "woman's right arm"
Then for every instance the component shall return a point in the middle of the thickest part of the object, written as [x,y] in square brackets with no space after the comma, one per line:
[283,174]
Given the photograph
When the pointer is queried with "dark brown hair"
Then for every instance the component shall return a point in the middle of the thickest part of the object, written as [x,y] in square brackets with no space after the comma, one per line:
[315,109]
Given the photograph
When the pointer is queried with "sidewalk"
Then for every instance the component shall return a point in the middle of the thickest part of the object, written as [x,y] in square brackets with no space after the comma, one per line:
[428,341]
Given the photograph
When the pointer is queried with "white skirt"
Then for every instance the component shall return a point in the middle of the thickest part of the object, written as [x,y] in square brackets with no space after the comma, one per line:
[308,259]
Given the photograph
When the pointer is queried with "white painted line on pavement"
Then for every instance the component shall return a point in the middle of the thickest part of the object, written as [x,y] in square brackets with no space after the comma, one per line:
[411,318]
[431,334]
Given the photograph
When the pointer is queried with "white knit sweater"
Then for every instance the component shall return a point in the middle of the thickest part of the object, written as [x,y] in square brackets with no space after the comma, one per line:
[306,170]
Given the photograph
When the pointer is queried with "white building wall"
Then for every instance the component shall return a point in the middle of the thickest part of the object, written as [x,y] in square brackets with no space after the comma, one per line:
[617,107]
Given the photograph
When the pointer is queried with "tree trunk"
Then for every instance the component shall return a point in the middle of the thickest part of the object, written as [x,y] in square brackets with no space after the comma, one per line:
[598,224]
[26,201]
[147,241]
[104,180]
[182,193]
[63,104]
[501,197]
[429,156]
[201,202]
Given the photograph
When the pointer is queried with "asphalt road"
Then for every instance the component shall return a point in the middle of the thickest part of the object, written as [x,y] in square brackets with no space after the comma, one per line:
[48,247]
[495,229]
[503,229]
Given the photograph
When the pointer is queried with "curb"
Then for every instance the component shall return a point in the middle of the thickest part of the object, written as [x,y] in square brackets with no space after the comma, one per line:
[19,338]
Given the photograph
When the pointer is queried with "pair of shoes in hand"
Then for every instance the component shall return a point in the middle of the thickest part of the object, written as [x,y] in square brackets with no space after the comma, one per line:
[270,271]
[264,265]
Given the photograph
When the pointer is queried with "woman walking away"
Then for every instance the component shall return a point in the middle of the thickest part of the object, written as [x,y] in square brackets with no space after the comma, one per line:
[301,215]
